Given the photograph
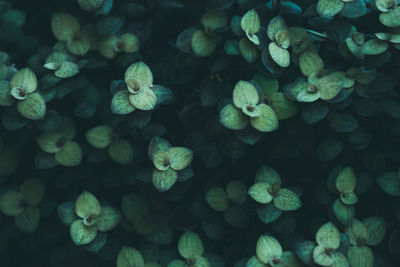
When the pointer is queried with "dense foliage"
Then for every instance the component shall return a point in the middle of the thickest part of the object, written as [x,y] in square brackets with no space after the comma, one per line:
[145,133]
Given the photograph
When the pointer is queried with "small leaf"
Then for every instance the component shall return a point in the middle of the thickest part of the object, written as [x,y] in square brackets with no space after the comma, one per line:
[248,50]
[360,256]
[64,26]
[268,175]
[66,213]
[69,155]
[250,22]
[98,243]
[108,219]
[121,151]
[120,103]
[276,25]
[376,230]
[260,193]
[279,55]
[145,100]
[391,18]
[129,257]
[180,157]
[287,200]
[244,93]
[344,213]
[329,86]
[81,234]
[164,180]
[321,257]
[267,121]
[268,249]
[203,45]
[87,204]
[328,236]
[346,180]
[374,47]
[100,136]
[217,199]
[213,20]
[329,8]
[268,213]
[141,72]
[357,232]
[354,9]
[33,107]
[233,118]
[190,245]
[28,221]
[67,70]
[310,62]
[389,182]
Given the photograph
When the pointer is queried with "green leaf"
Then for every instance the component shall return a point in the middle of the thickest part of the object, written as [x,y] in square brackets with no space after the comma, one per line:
[129,257]
[310,62]
[268,175]
[248,50]
[357,233]
[268,213]
[145,100]
[260,193]
[141,72]
[66,213]
[374,47]
[267,121]
[120,103]
[360,256]
[321,257]
[279,55]
[329,86]
[391,18]
[283,107]
[217,199]
[268,249]
[203,45]
[276,25]
[121,151]
[250,22]
[213,20]
[269,85]
[190,245]
[180,157]
[233,118]
[69,155]
[376,230]
[33,107]
[164,180]
[329,8]
[26,79]
[82,234]
[389,182]
[287,200]
[108,219]
[346,180]
[244,93]
[344,213]
[67,70]
[87,204]
[328,236]
[157,144]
